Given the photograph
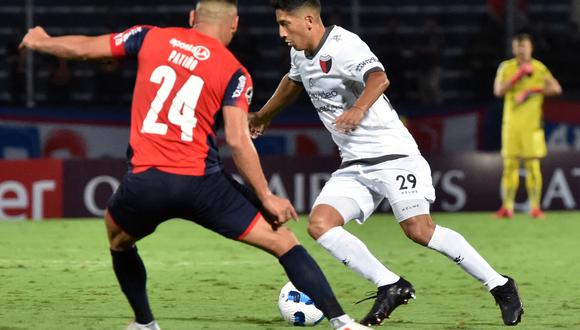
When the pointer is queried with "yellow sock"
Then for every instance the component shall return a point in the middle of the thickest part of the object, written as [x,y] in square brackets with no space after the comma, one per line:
[533,181]
[510,181]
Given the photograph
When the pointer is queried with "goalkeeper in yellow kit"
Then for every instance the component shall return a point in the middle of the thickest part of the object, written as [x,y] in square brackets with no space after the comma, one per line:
[523,82]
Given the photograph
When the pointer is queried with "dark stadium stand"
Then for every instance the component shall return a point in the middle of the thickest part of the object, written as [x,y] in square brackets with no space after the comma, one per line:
[463,45]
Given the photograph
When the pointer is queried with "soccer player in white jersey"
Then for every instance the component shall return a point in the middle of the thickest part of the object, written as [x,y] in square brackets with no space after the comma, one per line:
[380,159]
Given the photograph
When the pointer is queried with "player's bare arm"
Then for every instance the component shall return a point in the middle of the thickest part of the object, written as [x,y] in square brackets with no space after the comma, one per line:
[376,84]
[284,95]
[552,87]
[500,87]
[67,47]
[247,162]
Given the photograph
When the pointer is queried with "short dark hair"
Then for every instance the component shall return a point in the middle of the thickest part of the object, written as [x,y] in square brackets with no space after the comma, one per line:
[290,5]
[522,36]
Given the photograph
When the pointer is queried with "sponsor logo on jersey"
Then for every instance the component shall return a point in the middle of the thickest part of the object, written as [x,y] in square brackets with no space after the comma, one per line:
[322,95]
[122,37]
[325,63]
[240,88]
[311,82]
[201,53]
[366,62]
[329,108]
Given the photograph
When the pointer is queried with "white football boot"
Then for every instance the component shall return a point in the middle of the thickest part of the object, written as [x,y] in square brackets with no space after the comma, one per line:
[137,326]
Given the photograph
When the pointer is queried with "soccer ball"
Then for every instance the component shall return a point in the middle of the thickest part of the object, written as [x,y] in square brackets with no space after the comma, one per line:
[297,308]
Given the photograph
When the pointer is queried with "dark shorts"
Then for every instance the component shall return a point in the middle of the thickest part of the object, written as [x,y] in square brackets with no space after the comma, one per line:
[217,202]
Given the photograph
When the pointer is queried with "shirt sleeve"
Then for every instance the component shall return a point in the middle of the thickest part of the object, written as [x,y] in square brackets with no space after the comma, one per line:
[294,74]
[500,73]
[545,71]
[359,61]
[128,43]
[239,90]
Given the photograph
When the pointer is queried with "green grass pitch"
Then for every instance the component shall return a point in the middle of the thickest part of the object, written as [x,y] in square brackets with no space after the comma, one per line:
[57,275]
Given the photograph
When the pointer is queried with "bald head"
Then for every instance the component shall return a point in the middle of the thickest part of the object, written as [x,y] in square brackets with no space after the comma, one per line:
[217,18]
[216,11]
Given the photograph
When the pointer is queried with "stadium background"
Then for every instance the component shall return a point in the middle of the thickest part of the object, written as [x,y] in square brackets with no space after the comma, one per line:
[64,124]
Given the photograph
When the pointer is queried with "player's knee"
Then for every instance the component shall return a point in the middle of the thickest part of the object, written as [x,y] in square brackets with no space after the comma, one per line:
[318,225]
[118,239]
[419,229]
[511,165]
[121,242]
[284,241]
[325,217]
[532,166]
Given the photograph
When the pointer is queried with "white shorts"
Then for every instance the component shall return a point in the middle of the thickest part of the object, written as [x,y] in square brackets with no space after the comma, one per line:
[403,179]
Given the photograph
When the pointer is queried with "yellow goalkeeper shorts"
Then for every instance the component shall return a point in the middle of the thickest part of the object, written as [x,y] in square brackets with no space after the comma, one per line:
[523,143]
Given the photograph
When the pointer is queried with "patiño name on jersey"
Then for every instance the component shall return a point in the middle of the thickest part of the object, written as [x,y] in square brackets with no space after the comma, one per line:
[189,62]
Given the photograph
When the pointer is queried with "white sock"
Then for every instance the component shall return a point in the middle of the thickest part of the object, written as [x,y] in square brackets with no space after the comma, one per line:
[339,321]
[455,247]
[352,252]
[150,325]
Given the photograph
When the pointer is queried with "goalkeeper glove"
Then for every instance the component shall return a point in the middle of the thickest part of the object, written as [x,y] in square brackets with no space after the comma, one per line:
[525,95]
[525,69]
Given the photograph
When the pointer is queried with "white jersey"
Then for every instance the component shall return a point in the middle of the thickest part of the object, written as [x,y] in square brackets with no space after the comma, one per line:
[334,78]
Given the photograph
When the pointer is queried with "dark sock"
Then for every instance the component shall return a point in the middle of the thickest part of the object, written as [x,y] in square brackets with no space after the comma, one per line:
[132,277]
[307,277]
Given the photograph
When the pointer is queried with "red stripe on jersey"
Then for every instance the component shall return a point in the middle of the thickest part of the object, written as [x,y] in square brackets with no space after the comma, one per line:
[250,226]
[116,48]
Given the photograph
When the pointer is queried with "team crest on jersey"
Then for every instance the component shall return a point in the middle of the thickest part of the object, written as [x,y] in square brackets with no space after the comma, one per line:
[249,94]
[325,63]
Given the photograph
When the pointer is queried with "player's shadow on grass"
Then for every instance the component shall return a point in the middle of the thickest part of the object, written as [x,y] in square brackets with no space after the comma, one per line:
[447,325]
[279,322]
[248,320]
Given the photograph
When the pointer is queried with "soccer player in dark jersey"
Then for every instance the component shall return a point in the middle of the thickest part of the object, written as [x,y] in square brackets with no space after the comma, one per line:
[187,84]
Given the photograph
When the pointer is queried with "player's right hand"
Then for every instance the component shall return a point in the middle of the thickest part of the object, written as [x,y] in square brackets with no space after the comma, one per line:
[32,36]
[277,211]
[526,68]
[257,125]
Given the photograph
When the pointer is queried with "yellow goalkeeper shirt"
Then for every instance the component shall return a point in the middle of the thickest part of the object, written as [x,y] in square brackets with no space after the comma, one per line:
[528,114]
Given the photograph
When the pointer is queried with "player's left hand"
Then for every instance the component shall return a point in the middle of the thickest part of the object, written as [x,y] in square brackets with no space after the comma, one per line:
[525,95]
[349,120]
[522,97]
[257,125]
[32,37]
[278,211]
